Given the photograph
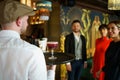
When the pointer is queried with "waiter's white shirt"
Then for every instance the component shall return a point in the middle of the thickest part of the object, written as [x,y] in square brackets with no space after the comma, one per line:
[19,60]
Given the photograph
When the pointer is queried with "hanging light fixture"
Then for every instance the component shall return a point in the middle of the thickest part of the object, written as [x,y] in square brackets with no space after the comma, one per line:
[44,5]
[42,8]
[114,4]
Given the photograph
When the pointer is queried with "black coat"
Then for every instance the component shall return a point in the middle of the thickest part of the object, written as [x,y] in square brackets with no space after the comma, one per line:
[70,45]
[112,62]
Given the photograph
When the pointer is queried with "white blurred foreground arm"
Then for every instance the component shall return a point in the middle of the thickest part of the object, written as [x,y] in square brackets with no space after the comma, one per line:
[51,72]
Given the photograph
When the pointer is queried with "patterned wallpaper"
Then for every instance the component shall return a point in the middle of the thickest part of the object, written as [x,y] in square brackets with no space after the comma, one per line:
[90,21]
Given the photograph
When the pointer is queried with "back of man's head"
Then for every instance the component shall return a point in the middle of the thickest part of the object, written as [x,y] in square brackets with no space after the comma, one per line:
[10,10]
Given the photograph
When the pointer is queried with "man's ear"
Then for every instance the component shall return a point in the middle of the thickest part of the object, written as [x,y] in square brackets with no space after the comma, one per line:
[18,21]
[119,30]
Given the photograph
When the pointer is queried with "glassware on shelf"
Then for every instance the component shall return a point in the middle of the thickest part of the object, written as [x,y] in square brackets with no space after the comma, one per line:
[51,46]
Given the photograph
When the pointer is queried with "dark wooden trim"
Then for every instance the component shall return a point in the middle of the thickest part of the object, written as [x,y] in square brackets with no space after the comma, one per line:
[94,5]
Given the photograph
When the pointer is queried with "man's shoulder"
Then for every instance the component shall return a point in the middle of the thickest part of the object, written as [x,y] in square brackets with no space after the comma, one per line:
[69,35]
[25,45]
[82,36]
[30,49]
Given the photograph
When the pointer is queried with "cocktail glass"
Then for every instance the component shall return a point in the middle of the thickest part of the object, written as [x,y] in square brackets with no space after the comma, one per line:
[51,46]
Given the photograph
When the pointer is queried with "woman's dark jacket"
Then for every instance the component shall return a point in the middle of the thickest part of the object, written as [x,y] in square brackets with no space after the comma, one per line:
[112,62]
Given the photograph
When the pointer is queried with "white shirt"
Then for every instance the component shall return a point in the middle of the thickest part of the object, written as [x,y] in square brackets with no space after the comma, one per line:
[77,37]
[20,60]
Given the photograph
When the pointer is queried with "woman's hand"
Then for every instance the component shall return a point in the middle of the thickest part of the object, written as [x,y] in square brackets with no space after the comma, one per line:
[85,65]
[98,73]
[91,70]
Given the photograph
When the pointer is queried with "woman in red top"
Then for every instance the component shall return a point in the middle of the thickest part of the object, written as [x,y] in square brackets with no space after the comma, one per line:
[101,46]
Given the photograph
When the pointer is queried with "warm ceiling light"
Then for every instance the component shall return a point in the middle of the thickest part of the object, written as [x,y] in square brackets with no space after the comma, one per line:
[114,4]
[27,2]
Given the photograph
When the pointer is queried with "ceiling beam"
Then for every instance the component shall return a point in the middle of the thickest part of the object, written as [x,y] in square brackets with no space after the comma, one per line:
[94,5]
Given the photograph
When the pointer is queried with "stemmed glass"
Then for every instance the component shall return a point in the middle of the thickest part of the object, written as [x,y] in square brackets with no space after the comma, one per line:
[51,46]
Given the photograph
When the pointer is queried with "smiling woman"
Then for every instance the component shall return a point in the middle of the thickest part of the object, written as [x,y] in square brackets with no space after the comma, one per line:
[112,55]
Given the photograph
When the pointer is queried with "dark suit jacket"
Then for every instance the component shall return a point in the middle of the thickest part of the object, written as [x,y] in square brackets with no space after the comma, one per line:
[70,45]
